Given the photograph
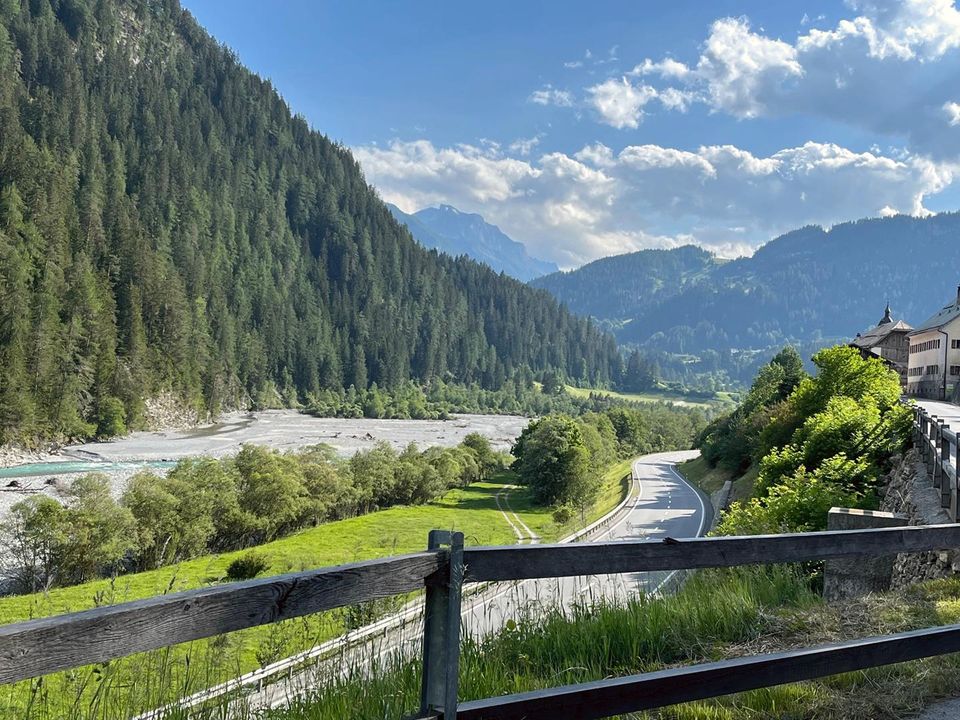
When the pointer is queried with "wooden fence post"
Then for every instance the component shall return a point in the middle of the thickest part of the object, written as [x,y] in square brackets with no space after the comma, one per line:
[947,485]
[921,436]
[928,444]
[441,631]
[937,458]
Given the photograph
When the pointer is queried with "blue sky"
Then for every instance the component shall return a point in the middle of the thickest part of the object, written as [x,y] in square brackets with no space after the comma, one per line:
[587,129]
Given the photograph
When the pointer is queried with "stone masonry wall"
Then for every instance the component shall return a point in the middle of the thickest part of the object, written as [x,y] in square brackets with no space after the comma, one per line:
[910,492]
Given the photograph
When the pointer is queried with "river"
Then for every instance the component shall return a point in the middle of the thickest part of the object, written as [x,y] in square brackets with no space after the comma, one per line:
[279,429]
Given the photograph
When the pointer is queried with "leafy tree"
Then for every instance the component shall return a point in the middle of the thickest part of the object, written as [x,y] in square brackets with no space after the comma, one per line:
[99,532]
[111,418]
[487,459]
[270,489]
[32,536]
[553,461]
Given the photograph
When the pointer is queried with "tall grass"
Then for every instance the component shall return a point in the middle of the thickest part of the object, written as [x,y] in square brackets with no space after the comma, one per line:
[547,646]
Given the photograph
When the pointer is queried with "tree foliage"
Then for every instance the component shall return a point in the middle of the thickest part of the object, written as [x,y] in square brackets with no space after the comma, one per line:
[827,444]
[166,224]
[204,506]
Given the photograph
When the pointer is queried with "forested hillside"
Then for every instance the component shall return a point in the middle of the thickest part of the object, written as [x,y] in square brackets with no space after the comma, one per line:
[622,287]
[809,287]
[166,224]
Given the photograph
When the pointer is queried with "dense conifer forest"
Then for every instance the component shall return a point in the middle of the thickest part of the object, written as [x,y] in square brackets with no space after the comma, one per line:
[166,224]
[811,287]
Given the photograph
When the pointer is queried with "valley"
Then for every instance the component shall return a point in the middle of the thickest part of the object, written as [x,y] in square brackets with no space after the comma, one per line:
[536,349]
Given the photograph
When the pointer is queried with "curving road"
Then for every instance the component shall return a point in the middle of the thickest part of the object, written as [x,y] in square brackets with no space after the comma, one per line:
[661,504]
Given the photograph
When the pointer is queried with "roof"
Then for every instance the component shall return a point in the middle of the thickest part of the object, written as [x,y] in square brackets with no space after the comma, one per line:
[876,335]
[947,314]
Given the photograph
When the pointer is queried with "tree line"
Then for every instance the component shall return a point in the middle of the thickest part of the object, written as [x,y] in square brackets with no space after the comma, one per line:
[166,224]
[521,394]
[209,506]
[562,458]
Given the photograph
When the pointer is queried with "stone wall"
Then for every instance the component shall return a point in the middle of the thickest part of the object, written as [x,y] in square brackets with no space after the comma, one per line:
[845,578]
[910,492]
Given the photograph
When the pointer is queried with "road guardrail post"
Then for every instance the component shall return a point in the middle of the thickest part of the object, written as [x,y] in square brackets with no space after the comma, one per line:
[441,631]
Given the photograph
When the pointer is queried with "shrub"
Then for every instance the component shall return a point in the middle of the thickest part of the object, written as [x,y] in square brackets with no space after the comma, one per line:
[111,418]
[247,566]
[563,514]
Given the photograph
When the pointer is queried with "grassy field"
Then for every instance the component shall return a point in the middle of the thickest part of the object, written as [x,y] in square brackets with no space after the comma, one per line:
[126,687]
[656,396]
[716,615]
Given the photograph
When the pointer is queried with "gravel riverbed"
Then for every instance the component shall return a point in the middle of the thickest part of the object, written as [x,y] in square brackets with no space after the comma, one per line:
[24,473]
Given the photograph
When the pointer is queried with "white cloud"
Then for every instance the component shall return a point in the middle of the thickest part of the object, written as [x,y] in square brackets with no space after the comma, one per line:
[666,68]
[574,208]
[889,69]
[523,146]
[674,99]
[549,95]
[620,103]
[739,68]
[952,110]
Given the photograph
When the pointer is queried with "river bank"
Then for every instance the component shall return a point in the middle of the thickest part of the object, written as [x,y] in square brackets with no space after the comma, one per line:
[24,473]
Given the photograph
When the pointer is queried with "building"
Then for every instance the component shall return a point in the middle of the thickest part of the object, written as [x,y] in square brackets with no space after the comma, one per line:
[933,369]
[889,342]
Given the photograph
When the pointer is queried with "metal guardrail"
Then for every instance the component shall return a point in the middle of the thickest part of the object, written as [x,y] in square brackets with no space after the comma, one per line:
[937,445]
[38,647]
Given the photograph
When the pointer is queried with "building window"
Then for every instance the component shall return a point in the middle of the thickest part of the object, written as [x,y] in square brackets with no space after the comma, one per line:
[955,369]
[933,369]
[955,344]
[929,345]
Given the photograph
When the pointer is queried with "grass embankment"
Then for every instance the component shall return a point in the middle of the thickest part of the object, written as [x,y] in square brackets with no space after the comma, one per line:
[654,396]
[123,688]
[712,479]
[716,615]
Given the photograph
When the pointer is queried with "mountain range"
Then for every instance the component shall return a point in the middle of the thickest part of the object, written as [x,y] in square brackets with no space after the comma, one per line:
[808,286]
[459,233]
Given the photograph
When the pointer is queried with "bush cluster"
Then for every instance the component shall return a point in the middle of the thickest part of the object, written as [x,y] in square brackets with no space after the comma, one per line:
[561,458]
[827,443]
[206,505]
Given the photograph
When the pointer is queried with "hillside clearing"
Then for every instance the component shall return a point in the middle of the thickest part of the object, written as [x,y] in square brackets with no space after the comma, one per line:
[652,396]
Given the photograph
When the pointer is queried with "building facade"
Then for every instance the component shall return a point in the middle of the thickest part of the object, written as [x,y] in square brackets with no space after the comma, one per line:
[888,341]
[933,369]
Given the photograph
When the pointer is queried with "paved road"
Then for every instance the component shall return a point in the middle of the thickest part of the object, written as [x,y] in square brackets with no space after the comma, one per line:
[664,506]
[948,412]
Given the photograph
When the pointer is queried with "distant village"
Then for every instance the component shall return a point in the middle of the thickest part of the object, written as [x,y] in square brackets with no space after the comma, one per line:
[927,357]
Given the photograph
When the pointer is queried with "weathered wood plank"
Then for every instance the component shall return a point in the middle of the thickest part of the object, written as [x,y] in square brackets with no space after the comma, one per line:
[698,682]
[538,561]
[46,645]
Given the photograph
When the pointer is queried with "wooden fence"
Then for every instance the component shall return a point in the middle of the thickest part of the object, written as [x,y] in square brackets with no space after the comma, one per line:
[38,647]
[937,445]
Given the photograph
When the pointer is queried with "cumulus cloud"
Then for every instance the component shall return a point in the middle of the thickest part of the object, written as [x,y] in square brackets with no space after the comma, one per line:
[524,146]
[620,103]
[598,201]
[952,110]
[889,69]
[739,68]
[549,95]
